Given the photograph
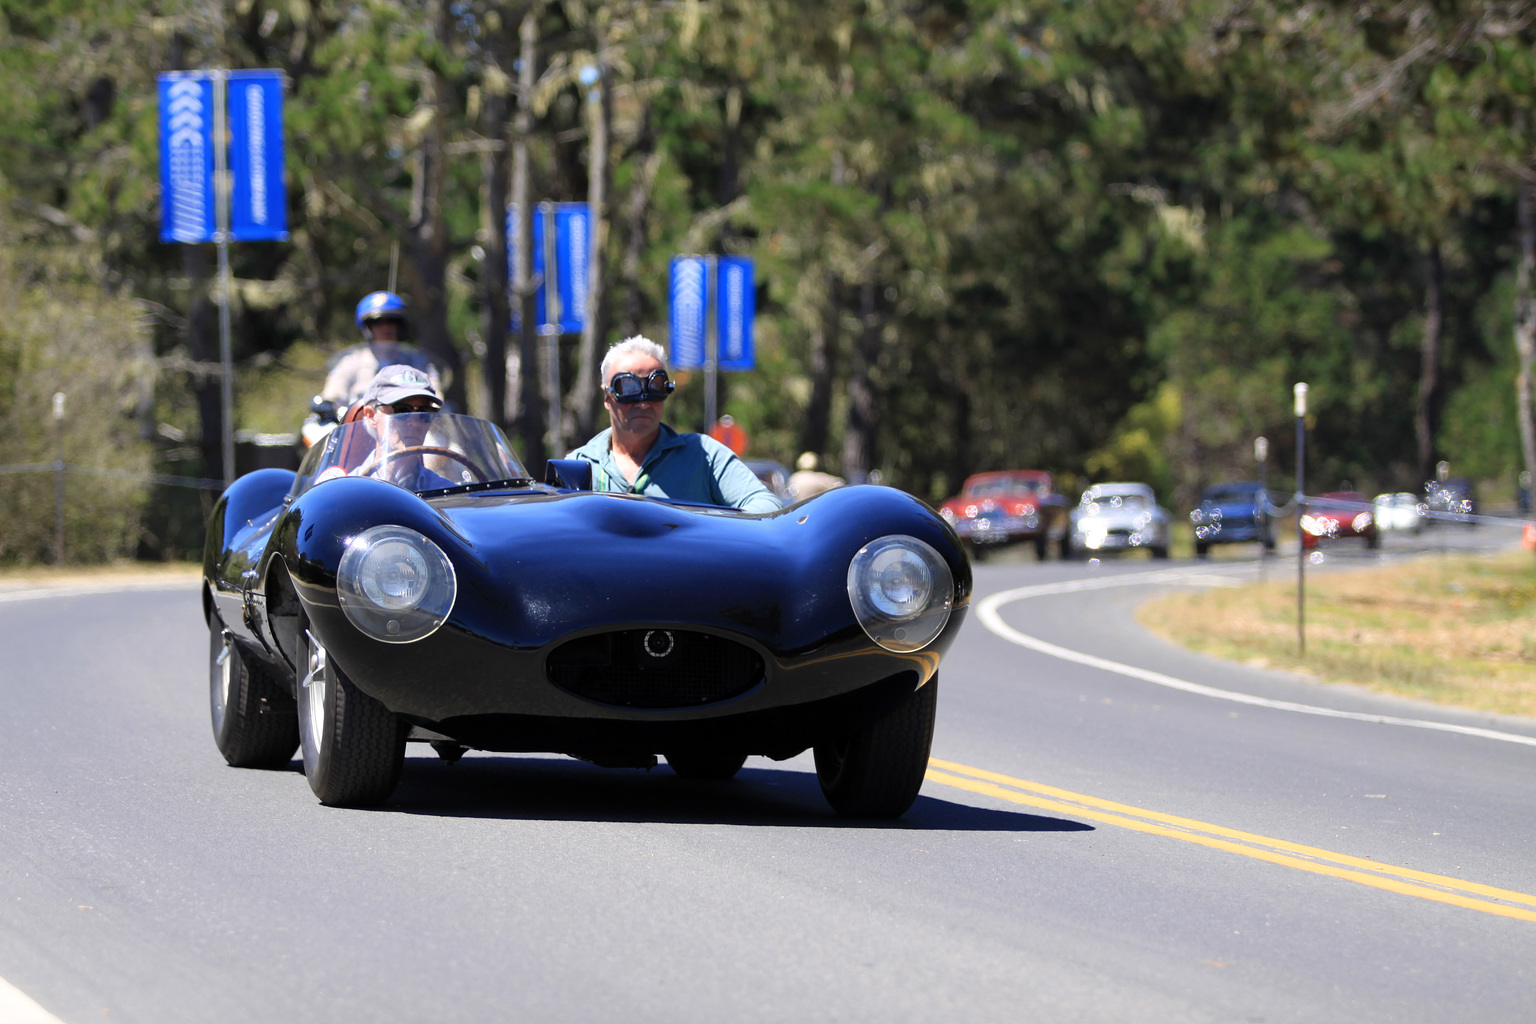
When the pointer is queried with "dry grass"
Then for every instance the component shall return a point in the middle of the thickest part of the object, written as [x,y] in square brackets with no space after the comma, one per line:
[88,575]
[1455,630]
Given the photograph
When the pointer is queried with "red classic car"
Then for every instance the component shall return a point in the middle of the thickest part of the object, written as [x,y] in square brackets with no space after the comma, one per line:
[1007,507]
[1339,514]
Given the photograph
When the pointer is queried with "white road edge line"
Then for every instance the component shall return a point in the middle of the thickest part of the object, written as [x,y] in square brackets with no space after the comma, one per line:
[16,1007]
[991,618]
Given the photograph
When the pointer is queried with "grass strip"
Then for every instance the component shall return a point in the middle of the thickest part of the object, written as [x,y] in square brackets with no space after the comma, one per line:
[1453,629]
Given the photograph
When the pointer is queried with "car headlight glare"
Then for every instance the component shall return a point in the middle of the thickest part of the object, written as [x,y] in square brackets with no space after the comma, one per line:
[1362,522]
[1313,525]
[902,591]
[395,585]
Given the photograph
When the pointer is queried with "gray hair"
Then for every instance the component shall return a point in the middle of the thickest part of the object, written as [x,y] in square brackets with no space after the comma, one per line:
[639,343]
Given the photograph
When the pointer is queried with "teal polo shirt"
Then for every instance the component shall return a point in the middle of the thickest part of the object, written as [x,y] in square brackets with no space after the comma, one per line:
[683,467]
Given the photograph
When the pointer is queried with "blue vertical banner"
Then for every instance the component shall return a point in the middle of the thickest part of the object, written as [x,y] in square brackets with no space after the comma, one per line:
[259,202]
[735,307]
[540,307]
[687,295]
[187,200]
[573,244]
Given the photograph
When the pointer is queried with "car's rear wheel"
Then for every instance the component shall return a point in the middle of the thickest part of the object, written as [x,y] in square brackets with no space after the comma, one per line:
[1201,549]
[1159,552]
[1040,548]
[354,747]
[253,720]
[706,764]
[875,771]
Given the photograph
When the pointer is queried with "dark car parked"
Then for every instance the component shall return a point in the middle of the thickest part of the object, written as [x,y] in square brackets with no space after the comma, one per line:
[1232,513]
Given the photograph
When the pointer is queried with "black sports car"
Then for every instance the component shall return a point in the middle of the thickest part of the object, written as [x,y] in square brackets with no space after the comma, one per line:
[419,586]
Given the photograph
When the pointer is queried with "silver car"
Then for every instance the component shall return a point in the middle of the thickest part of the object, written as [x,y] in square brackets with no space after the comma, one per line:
[1117,517]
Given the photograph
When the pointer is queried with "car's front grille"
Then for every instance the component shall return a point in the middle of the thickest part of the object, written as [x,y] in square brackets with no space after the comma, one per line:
[654,668]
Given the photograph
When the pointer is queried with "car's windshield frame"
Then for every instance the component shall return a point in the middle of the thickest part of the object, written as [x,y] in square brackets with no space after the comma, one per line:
[352,450]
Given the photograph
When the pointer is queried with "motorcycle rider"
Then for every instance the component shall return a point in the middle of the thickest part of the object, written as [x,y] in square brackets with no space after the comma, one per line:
[384,321]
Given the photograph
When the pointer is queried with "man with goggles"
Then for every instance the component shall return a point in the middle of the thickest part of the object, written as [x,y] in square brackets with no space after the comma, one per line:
[639,454]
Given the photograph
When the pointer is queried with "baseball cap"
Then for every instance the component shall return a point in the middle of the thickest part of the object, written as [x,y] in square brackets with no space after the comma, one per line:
[395,383]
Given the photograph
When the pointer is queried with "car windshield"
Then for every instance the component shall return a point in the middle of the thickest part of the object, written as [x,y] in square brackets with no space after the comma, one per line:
[1128,501]
[998,488]
[420,451]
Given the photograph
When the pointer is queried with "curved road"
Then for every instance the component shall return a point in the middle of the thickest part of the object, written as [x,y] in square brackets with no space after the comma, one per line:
[1094,843]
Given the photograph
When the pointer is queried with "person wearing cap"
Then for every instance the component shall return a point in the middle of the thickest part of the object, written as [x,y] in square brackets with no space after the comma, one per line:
[639,454]
[808,480]
[384,321]
[397,408]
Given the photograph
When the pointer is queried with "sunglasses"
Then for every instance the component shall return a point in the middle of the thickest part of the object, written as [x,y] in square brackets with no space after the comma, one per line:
[627,387]
[400,407]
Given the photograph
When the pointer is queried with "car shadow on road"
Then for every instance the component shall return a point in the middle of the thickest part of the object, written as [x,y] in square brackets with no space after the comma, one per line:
[558,789]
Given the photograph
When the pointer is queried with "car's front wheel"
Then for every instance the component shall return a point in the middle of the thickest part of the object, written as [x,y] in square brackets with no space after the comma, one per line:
[253,722]
[875,771]
[354,747]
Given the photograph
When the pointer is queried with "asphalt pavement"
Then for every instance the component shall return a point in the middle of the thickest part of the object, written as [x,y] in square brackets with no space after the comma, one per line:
[1095,843]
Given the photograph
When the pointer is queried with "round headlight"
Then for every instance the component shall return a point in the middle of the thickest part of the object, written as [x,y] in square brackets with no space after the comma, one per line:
[395,585]
[902,591]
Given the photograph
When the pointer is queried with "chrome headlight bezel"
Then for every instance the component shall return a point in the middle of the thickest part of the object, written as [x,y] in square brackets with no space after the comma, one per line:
[902,592]
[395,584]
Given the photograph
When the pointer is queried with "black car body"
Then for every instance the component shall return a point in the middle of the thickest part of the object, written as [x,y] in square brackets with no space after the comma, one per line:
[1232,513]
[609,627]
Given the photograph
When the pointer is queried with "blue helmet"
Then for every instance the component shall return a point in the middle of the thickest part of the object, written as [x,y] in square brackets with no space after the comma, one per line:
[380,306]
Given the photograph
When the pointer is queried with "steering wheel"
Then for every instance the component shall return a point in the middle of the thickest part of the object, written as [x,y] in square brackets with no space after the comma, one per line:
[424,449]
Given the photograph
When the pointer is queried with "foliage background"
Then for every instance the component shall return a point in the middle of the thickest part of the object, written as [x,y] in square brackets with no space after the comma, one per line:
[1100,239]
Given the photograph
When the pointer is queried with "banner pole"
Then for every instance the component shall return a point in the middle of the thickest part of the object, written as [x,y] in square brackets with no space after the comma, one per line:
[221,239]
[711,339]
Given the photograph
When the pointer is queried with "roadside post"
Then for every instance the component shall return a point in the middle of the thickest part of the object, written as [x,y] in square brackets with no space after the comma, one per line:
[58,481]
[1301,550]
[1261,456]
[221,180]
[712,302]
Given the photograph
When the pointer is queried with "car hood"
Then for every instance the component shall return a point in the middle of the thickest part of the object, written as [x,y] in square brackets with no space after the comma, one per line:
[530,563]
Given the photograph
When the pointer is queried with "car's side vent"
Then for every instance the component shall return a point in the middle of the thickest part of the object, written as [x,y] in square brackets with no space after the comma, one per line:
[654,668]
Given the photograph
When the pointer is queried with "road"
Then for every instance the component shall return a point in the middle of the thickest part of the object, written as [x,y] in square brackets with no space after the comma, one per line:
[1091,845]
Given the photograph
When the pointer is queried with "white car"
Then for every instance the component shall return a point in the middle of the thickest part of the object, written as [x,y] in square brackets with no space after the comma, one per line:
[1400,511]
[1117,517]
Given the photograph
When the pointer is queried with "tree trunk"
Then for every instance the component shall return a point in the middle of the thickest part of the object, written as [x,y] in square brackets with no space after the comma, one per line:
[494,303]
[530,417]
[1525,329]
[1429,364]
[583,397]
[863,414]
[815,427]
[428,229]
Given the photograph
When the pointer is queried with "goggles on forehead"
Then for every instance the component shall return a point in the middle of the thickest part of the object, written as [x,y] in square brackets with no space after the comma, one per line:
[627,387]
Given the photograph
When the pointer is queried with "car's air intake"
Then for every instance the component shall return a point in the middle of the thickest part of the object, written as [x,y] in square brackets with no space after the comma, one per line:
[655,668]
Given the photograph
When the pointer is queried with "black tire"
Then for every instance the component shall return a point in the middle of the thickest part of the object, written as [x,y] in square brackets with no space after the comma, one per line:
[1159,552]
[254,725]
[1373,540]
[875,771]
[1201,550]
[1040,548]
[354,747]
[706,764]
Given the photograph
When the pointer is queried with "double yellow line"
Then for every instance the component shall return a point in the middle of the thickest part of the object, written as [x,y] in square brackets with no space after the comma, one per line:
[1406,881]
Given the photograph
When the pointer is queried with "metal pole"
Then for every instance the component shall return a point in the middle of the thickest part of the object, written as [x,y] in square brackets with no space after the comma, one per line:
[221,239]
[1261,453]
[711,339]
[1301,551]
[551,331]
[58,482]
